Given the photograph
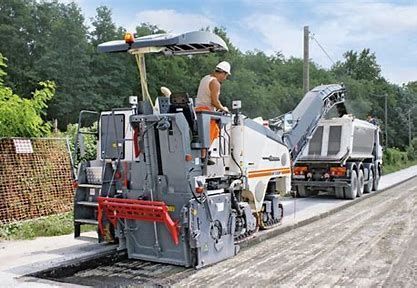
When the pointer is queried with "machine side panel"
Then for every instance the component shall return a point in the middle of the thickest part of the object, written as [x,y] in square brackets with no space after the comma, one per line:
[141,240]
[112,145]
[167,149]
[173,146]
[264,159]
[212,228]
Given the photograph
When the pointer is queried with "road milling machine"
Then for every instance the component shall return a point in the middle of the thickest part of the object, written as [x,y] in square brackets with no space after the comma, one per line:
[151,190]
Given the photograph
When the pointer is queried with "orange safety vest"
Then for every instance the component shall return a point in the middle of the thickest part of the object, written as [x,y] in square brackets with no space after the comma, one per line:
[214,127]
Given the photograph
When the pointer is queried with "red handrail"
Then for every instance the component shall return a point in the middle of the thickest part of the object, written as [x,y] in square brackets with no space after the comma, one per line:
[143,210]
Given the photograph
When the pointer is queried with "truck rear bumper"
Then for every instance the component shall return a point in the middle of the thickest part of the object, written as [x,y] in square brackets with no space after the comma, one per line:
[320,184]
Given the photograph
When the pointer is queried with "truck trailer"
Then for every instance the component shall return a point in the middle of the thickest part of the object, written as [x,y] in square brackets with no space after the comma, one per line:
[344,157]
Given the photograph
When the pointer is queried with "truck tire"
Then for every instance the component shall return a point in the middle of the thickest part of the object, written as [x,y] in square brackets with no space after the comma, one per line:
[369,187]
[339,192]
[301,192]
[377,177]
[352,190]
[361,182]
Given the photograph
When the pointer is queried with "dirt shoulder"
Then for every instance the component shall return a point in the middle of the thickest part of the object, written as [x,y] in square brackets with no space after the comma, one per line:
[371,243]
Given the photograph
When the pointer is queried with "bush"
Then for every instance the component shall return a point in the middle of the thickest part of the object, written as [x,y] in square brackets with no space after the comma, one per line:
[90,142]
[412,150]
[395,159]
[411,153]
[393,156]
[21,117]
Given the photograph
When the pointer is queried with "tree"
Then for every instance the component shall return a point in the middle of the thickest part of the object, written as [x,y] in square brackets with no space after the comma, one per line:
[104,28]
[112,76]
[48,40]
[145,29]
[63,56]
[16,43]
[362,66]
[21,117]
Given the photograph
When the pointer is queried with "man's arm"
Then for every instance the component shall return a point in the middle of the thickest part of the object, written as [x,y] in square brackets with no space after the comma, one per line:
[214,87]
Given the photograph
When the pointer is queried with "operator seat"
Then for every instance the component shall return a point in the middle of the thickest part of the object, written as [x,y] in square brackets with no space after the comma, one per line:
[180,102]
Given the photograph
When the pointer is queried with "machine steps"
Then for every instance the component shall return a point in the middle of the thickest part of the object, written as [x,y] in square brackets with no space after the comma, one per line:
[95,186]
[88,203]
[86,221]
[86,206]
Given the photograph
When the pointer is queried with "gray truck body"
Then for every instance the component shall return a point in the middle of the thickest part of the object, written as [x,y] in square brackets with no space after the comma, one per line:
[343,142]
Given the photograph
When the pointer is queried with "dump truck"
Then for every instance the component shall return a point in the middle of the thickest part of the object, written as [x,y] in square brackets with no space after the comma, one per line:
[150,188]
[344,157]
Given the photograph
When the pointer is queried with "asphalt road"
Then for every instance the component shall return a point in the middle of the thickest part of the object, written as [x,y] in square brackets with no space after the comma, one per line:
[303,208]
[371,243]
[19,258]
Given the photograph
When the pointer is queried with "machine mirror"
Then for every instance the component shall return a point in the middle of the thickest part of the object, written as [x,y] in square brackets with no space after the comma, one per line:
[133,100]
[288,122]
[236,104]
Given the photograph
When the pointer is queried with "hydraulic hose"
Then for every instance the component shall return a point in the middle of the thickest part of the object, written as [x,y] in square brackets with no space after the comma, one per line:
[234,200]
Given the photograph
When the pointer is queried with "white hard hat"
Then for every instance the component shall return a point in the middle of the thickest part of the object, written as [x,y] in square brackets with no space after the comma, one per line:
[224,66]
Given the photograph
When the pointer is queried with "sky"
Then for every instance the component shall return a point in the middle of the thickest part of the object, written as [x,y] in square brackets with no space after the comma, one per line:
[388,28]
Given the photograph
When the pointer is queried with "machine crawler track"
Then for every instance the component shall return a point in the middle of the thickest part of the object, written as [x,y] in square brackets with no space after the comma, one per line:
[270,224]
[244,236]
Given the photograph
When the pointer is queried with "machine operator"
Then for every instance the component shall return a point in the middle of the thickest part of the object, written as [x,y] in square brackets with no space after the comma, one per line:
[209,89]
[208,98]
[209,92]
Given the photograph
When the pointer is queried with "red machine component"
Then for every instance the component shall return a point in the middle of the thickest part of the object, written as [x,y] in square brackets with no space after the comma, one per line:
[338,171]
[152,211]
[125,180]
[300,170]
[136,142]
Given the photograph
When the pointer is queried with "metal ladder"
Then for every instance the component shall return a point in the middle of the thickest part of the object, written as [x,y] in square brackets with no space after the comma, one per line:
[85,198]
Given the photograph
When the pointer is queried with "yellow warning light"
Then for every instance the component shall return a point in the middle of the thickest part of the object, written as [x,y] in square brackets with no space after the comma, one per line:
[129,39]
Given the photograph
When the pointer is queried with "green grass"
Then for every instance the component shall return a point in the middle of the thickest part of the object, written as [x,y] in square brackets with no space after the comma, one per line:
[392,168]
[54,225]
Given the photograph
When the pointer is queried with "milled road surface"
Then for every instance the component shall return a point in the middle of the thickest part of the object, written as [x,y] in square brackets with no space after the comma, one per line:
[371,243]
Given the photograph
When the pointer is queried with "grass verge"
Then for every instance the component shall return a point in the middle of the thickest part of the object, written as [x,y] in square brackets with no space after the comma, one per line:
[53,225]
[393,168]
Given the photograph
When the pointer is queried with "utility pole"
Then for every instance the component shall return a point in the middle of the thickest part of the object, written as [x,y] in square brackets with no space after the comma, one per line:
[409,124]
[386,120]
[306,71]
[409,127]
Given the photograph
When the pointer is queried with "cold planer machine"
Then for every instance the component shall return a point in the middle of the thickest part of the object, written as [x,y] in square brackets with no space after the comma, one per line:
[152,191]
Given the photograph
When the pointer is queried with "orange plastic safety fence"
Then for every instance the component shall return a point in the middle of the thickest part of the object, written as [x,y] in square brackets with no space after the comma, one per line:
[35,178]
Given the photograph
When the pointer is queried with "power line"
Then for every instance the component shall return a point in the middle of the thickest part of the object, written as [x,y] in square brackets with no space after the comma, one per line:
[321,47]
